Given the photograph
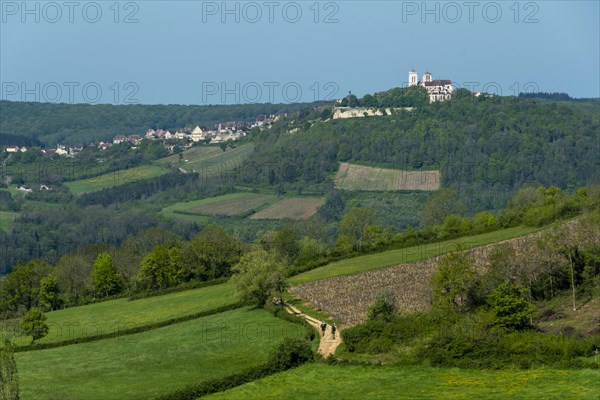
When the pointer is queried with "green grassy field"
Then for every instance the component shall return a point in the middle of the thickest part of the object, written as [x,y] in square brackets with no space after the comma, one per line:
[116,178]
[6,219]
[229,204]
[407,255]
[147,364]
[319,381]
[210,160]
[110,316]
[14,192]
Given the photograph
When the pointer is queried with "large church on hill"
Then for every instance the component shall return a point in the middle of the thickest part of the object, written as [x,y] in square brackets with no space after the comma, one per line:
[438,90]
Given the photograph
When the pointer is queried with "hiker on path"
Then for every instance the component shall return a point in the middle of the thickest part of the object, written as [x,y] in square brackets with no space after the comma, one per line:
[333,329]
[323,328]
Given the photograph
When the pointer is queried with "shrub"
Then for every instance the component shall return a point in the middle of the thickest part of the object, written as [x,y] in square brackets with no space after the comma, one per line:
[484,222]
[384,308]
[455,226]
[358,338]
[377,336]
[473,343]
[510,308]
[291,353]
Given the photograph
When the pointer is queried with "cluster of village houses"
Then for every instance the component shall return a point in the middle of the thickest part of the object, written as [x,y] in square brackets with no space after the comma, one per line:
[221,133]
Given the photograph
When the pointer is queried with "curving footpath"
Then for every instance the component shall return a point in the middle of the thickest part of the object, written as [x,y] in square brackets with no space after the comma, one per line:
[328,344]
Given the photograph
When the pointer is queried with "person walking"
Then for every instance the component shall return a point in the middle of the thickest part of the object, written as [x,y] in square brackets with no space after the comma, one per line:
[323,328]
[333,329]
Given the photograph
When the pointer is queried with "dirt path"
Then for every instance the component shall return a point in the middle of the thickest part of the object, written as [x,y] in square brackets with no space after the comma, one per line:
[327,344]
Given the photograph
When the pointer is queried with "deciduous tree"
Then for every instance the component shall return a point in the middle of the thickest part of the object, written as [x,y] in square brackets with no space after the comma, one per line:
[49,297]
[440,205]
[258,276]
[73,275]
[354,223]
[162,268]
[20,289]
[34,324]
[453,283]
[105,277]
[512,310]
[212,253]
[285,243]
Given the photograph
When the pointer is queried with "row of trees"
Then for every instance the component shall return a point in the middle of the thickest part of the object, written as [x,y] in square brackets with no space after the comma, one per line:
[412,96]
[153,260]
[444,217]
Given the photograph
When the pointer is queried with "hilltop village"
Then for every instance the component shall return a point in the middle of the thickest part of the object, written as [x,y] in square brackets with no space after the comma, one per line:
[220,133]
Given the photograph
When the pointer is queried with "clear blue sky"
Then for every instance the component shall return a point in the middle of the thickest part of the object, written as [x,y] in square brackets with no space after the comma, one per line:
[198,52]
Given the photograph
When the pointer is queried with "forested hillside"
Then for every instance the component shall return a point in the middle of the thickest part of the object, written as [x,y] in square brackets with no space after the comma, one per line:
[29,123]
[484,148]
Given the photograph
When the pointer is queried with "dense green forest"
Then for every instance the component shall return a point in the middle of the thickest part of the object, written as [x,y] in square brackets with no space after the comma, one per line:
[32,123]
[485,148]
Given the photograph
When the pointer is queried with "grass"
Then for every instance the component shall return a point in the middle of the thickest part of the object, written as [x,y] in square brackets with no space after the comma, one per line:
[320,381]
[210,160]
[229,204]
[110,316]
[360,177]
[148,364]
[560,314]
[6,219]
[235,204]
[406,255]
[296,208]
[116,178]
[301,305]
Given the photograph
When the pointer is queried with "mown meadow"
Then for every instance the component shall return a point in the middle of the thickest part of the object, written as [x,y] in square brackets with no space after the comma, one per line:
[148,364]
[389,382]
[114,315]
